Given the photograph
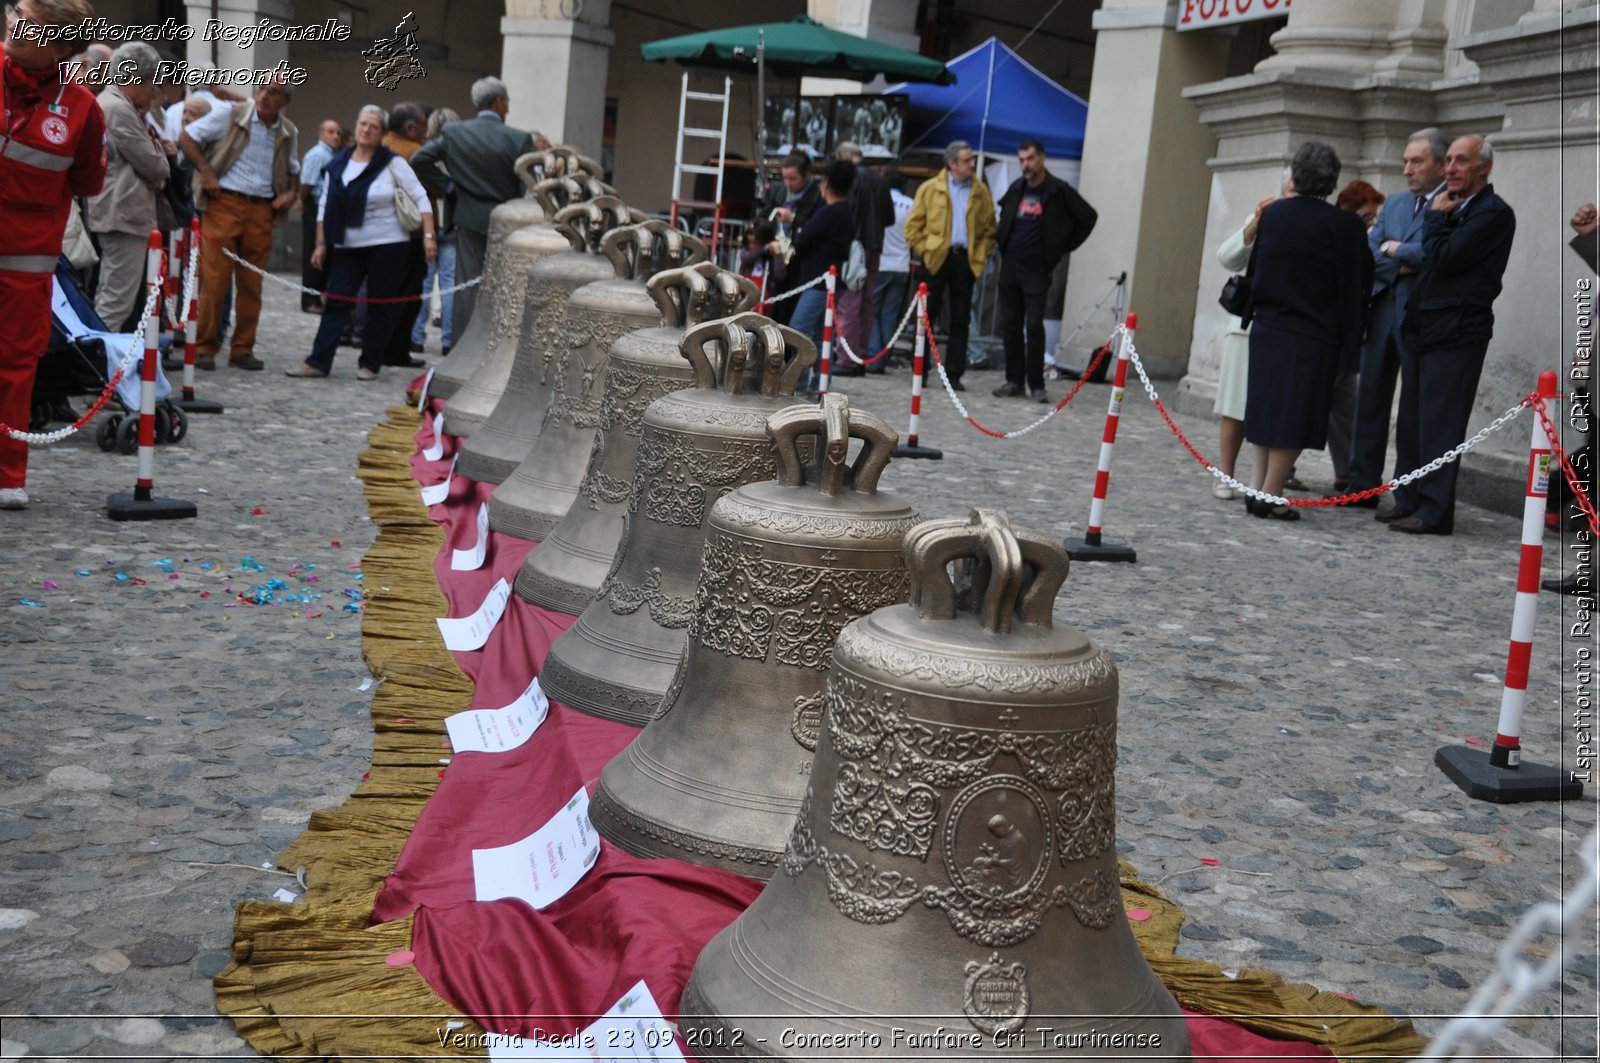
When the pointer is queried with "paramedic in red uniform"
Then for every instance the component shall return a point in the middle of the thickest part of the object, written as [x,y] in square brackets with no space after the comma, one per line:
[52,147]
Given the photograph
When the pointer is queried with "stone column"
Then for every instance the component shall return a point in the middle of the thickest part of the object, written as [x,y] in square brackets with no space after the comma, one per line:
[227,55]
[554,61]
[1144,170]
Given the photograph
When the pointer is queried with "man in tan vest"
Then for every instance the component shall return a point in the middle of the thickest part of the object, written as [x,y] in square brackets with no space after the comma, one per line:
[245,158]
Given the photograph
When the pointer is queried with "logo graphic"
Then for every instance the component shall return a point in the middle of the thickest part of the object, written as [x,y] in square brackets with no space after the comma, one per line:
[996,997]
[54,129]
[392,60]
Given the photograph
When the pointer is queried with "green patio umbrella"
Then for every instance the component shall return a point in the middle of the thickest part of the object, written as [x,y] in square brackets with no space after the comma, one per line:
[798,48]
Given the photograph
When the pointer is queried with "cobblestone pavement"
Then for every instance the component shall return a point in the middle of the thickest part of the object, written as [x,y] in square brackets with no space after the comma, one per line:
[1284,687]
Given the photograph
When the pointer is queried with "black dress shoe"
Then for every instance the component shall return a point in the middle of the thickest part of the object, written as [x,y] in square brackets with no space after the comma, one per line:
[1413,526]
[1574,584]
[1009,391]
[1363,503]
[956,385]
[1389,516]
[1040,397]
[850,370]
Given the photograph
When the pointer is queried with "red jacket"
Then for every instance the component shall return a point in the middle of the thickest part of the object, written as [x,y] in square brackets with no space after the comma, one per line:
[52,147]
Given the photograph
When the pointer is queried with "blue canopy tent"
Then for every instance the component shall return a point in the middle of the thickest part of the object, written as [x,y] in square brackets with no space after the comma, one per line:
[997,102]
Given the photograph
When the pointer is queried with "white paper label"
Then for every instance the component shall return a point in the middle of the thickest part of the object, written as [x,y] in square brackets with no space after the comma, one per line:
[471,632]
[542,867]
[435,450]
[472,560]
[633,1029]
[427,382]
[497,730]
[432,496]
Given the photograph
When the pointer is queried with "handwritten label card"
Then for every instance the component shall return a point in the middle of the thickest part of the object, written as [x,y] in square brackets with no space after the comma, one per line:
[471,632]
[427,382]
[498,730]
[432,496]
[542,867]
[633,1029]
[472,560]
[435,450]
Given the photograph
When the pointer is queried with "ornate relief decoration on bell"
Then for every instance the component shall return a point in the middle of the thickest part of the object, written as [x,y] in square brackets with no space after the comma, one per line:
[552,261]
[787,564]
[952,874]
[645,364]
[697,445]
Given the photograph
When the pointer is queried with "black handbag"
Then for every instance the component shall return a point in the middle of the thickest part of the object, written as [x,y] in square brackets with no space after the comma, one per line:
[1235,297]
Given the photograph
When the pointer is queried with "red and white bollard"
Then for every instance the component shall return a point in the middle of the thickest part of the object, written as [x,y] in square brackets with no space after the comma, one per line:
[142,504]
[188,312]
[1093,548]
[825,363]
[1501,775]
[912,447]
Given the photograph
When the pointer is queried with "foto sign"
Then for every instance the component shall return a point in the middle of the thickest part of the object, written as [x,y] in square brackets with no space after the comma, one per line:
[1203,14]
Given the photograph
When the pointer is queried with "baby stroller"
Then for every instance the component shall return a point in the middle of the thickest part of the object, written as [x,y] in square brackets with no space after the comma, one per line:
[79,360]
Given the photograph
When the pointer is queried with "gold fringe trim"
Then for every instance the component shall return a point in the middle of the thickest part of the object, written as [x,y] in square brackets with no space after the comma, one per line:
[309,979]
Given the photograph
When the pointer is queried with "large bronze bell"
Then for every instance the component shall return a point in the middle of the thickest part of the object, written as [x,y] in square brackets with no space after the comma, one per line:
[534,498]
[470,408]
[472,340]
[567,569]
[717,777]
[950,888]
[698,444]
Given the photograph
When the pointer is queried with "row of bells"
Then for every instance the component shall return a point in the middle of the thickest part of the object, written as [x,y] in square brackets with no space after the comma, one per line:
[872,712]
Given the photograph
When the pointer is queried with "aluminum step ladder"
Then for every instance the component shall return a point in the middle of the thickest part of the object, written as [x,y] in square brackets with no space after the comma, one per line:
[680,169]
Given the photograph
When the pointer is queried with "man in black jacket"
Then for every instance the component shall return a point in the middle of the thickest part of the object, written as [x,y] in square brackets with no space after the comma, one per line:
[1466,241]
[873,209]
[1042,218]
[791,203]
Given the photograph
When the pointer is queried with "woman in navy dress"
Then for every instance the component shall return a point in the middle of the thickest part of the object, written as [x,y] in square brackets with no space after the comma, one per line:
[1310,277]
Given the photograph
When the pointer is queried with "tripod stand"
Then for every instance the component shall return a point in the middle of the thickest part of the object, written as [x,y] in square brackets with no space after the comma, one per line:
[1117,295]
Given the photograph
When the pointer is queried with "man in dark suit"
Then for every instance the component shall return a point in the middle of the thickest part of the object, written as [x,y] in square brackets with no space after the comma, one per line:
[479,156]
[1396,242]
[1466,242]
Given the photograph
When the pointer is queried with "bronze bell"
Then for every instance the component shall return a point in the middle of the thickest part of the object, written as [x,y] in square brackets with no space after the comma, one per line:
[551,263]
[567,569]
[698,444]
[950,887]
[534,498]
[787,564]
[472,341]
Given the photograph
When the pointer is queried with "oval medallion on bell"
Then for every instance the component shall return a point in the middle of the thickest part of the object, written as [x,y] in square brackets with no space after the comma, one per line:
[950,888]
[472,337]
[471,408]
[549,276]
[698,444]
[717,777]
[567,569]
[542,487]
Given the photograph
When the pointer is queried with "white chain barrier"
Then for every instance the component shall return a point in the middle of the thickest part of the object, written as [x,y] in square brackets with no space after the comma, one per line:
[1500,999]
[792,292]
[303,290]
[905,319]
[135,352]
[1400,481]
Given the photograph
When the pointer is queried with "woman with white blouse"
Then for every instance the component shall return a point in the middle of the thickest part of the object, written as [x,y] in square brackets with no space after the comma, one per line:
[356,217]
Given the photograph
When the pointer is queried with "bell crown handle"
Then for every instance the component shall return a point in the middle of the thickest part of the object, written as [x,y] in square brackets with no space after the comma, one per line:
[636,251]
[680,294]
[784,355]
[581,223]
[556,192]
[738,293]
[723,335]
[1016,573]
[834,424]
[531,168]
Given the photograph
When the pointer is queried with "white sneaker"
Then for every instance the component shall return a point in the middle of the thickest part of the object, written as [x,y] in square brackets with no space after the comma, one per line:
[13,498]
[1222,491]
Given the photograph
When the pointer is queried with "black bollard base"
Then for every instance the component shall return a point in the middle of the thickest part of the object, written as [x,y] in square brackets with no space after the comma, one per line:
[916,450]
[1087,551]
[1470,769]
[198,405]
[129,507]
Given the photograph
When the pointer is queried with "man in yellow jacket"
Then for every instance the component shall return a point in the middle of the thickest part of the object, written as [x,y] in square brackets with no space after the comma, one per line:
[952,227]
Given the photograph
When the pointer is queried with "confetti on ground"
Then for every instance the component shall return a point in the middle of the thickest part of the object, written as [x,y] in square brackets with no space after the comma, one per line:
[1209,862]
[30,601]
[50,585]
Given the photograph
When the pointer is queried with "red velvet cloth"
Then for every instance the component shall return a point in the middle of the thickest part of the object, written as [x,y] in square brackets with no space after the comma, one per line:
[517,969]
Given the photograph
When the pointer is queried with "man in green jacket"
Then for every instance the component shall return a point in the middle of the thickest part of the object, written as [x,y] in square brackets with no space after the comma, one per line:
[952,227]
[479,158]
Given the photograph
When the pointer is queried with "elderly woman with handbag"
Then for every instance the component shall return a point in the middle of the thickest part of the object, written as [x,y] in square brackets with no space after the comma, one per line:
[370,204]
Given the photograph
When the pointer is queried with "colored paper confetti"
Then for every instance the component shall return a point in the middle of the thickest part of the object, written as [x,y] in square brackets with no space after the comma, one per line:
[1209,862]
[30,601]
[50,585]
